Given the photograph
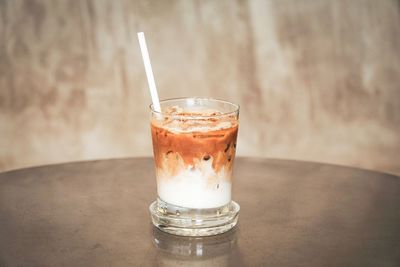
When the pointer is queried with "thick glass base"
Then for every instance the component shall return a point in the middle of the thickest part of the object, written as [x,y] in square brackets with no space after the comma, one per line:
[194,222]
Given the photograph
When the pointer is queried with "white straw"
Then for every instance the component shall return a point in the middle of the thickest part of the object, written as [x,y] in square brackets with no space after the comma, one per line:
[149,72]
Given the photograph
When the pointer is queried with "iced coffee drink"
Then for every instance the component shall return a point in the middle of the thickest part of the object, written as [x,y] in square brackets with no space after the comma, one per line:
[194,145]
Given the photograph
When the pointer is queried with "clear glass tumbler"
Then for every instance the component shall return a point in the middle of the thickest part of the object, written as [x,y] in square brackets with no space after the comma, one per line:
[194,145]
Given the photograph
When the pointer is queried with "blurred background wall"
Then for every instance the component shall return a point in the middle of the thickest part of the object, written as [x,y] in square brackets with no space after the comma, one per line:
[316,80]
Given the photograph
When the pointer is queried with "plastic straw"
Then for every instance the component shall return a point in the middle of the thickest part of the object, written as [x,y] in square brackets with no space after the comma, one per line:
[149,72]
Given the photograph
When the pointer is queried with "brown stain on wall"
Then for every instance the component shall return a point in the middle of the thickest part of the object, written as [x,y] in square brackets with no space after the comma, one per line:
[316,80]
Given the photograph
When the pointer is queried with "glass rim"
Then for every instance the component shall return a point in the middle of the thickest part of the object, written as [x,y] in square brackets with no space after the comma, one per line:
[223,114]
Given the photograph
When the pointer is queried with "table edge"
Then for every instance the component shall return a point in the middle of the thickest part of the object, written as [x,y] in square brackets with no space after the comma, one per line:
[263,159]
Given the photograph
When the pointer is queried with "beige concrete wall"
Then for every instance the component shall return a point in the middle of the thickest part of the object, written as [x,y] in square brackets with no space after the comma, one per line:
[316,80]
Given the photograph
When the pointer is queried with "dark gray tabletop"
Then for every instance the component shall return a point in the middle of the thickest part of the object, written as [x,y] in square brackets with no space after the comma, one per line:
[292,214]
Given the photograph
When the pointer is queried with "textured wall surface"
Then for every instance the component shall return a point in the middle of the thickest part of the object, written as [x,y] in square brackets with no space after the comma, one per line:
[316,80]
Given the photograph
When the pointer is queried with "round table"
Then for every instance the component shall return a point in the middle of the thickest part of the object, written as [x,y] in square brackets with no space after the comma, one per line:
[293,213]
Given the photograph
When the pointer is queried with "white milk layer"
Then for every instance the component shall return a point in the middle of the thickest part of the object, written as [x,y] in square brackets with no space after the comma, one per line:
[191,188]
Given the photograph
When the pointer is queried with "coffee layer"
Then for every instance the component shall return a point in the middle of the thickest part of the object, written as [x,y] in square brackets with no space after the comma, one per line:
[172,149]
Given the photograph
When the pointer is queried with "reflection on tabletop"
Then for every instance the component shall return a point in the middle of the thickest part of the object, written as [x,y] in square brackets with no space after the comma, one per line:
[175,250]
